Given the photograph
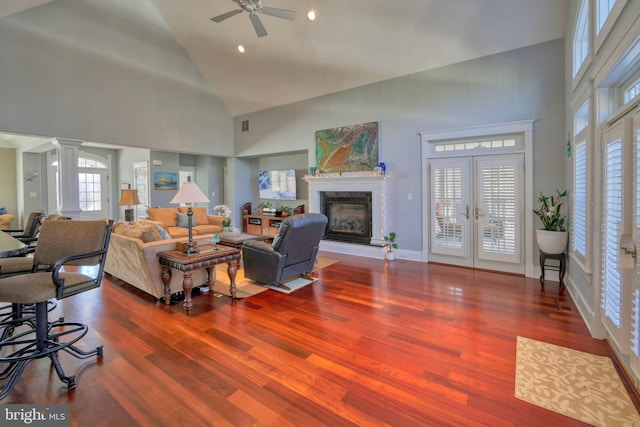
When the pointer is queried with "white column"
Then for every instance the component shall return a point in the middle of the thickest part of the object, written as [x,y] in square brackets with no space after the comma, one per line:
[68,177]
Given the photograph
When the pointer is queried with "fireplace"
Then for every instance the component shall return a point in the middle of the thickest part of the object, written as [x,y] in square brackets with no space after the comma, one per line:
[349,215]
[370,183]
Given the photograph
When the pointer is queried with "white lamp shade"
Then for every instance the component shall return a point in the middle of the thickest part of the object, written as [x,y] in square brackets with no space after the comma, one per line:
[190,193]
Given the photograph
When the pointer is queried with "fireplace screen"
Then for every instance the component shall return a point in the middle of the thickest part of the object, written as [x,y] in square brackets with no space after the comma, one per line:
[349,215]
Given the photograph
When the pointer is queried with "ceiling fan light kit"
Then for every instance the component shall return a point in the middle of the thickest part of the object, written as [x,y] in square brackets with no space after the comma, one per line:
[311,15]
[255,8]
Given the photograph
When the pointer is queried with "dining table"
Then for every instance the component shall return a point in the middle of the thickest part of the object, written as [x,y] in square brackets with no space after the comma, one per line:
[10,246]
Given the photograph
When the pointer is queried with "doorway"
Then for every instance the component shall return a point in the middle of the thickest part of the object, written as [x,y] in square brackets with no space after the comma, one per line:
[476,214]
[477,189]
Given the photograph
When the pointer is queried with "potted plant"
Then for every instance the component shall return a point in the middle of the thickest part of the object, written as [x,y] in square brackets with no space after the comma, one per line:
[262,206]
[390,246]
[552,239]
[225,212]
[286,210]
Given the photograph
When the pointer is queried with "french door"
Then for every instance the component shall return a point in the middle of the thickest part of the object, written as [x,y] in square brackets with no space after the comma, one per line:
[620,231]
[476,212]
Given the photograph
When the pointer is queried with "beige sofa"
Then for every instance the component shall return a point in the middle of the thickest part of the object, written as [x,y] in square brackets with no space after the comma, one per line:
[135,259]
[168,219]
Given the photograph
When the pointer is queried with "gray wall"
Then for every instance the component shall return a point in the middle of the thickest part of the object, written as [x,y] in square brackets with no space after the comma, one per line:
[106,71]
[523,84]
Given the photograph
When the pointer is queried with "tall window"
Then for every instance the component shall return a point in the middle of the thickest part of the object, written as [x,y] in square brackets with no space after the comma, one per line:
[603,8]
[581,38]
[579,224]
[91,179]
[90,176]
[90,191]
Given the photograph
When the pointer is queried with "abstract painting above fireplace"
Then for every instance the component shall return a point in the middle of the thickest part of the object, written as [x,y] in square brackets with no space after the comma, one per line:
[347,148]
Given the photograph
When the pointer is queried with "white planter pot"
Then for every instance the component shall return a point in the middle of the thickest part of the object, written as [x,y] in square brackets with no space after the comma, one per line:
[552,242]
[390,255]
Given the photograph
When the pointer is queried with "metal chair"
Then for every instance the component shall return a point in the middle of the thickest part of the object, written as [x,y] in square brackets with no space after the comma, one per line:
[29,233]
[65,246]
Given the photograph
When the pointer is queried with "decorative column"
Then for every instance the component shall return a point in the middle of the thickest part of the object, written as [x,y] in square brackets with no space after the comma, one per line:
[68,177]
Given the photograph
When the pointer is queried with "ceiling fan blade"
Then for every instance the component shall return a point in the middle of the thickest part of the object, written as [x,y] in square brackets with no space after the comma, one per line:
[257,25]
[279,13]
[224,16]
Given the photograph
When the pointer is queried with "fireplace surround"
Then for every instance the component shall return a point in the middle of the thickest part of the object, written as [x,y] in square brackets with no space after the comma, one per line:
[353,182]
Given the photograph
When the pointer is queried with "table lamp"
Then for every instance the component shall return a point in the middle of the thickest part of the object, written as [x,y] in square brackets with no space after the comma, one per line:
[188,194]
[128,198]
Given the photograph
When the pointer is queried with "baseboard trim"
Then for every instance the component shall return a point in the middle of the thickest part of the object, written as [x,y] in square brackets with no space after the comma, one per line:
[625,375]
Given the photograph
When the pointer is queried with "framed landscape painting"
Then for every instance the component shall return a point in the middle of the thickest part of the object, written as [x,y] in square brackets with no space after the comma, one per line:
[348,148]
[165,180]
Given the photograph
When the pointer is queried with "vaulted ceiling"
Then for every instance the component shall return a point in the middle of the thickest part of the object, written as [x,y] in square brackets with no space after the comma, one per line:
[352,43]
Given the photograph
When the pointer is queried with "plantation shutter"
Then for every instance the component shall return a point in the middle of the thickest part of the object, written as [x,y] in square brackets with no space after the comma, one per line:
[498,209]
[613,275]
[635,309]
[580,211]
[448,231]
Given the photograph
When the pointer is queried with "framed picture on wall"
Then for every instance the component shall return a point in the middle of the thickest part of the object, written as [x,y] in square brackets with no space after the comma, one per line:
[347,148]
[165,180]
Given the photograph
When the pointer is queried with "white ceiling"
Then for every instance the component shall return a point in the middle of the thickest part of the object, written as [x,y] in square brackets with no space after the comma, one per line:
[351,44]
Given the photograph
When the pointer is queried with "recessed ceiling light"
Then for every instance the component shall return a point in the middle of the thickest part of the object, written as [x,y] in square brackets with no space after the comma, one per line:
[311,15]
[240,48]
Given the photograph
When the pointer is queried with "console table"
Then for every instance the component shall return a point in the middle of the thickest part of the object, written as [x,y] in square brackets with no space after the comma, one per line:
[560,267]
[266,225]
[208,257]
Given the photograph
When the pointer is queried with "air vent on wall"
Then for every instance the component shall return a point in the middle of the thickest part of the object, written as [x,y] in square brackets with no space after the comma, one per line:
[245,125]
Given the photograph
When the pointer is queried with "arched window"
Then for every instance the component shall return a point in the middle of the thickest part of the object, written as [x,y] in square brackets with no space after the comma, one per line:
[92,180]
[581,38]
[91,174]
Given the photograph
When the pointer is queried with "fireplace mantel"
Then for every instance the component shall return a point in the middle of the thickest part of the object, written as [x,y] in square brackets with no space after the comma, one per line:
[354,181]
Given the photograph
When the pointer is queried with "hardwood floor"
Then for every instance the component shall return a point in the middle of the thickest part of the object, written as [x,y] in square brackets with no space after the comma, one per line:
[370,343]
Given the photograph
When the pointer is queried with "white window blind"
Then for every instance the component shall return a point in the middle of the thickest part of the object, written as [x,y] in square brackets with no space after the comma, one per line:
[498,215]
[635,309]
[447,198]
[580,211]
[611,286]
[635,328]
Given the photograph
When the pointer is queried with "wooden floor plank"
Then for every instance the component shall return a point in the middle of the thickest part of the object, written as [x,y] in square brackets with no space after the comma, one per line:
[369,343]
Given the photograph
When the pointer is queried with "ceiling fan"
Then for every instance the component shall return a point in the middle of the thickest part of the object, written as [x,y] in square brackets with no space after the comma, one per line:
[254,7]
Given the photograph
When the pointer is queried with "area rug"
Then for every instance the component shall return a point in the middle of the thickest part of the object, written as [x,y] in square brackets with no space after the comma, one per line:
[579,385]
[246,287]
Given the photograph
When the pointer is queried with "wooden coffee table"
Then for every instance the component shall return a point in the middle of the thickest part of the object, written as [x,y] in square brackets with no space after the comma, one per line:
[208,257]
[235,240]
